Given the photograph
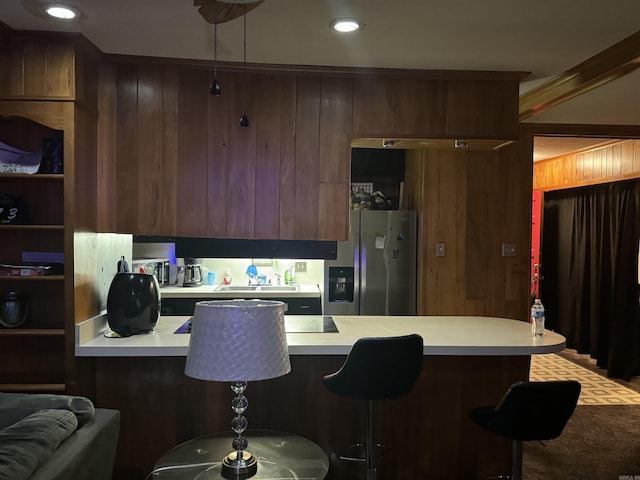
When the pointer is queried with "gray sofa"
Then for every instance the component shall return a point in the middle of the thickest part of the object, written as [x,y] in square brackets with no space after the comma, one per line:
[56,437]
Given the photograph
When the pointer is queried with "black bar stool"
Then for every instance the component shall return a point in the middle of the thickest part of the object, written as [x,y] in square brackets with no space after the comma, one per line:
[529,411]
[377,368]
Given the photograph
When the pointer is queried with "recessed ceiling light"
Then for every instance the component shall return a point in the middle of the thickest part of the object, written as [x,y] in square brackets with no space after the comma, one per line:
[344,25]
[63,12]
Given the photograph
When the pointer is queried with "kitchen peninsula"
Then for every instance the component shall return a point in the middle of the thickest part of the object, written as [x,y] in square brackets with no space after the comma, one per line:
[469,361]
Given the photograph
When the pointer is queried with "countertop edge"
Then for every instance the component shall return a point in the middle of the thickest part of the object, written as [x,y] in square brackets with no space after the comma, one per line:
[442,336]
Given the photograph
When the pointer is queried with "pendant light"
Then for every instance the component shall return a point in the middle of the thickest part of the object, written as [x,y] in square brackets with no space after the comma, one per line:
[215,86]
[244,120]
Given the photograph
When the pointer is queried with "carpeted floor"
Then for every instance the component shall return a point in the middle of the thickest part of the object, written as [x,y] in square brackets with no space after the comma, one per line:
[602,439]
[599,443]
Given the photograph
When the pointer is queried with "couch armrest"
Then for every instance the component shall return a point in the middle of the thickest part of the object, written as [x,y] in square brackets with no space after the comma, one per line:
[88,454]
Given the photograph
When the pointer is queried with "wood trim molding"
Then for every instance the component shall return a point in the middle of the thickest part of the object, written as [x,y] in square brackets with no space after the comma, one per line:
[222,66]
[606,66]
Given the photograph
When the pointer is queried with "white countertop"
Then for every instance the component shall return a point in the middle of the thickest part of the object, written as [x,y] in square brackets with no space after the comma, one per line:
[209,291]
[446,335]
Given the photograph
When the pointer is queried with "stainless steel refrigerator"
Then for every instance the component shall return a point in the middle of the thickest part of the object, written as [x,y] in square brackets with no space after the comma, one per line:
[375,270]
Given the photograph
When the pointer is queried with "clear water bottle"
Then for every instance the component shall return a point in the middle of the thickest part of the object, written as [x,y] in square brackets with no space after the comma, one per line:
[537,317]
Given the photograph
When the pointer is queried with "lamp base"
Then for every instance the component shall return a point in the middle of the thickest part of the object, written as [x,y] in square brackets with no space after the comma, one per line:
[235,469]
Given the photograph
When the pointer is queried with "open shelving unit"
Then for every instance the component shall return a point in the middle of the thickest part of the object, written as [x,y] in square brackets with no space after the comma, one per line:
[33,354]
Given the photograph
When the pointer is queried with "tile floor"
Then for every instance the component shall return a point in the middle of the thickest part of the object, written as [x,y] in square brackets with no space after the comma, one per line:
[596,389]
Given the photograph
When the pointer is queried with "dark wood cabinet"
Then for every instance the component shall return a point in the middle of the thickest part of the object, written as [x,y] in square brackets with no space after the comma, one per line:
[184,165]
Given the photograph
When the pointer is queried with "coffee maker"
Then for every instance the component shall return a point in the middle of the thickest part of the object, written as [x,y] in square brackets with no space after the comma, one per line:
[192,272]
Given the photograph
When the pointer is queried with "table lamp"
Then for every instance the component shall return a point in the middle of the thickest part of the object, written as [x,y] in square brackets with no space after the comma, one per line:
[238,341]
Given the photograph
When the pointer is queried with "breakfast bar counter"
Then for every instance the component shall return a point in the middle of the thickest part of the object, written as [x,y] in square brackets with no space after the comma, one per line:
[443,335]
[468,362]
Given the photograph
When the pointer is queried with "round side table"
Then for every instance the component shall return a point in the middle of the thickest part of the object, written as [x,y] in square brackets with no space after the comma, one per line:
[280,456]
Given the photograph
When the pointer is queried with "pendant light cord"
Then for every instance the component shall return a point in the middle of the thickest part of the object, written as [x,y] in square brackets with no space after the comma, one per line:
[244,15]
[215,50]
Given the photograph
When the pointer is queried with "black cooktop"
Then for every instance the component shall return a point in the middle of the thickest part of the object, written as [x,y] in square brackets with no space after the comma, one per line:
[292,324]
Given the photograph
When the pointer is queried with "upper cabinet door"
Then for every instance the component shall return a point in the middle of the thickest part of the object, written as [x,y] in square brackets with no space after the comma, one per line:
[185,165]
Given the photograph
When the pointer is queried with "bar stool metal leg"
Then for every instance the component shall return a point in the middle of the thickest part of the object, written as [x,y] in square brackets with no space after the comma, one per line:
[516,460]
[371,447]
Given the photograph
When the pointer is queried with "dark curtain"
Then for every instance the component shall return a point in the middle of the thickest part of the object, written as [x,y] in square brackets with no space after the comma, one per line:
[590,272]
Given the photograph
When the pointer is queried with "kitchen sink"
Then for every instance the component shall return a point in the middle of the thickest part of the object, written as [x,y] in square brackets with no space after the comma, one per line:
[237,288]
[278,288]
[257,288]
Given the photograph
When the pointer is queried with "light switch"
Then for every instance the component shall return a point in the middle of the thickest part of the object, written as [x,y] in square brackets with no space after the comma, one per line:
[441,249]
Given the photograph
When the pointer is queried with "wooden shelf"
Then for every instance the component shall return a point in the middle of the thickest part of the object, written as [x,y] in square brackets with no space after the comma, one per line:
[31,278]
[41,332]
[32,387]
[32,227]
[35,176]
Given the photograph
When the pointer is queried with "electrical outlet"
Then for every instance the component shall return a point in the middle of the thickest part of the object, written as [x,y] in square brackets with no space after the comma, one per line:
[301,267]
[441,249]
[508,249]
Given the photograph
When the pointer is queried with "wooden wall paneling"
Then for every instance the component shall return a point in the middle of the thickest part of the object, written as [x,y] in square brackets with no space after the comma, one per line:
[241,164]
[599,158]
[170,152]
[193,134]
[636,155]
[336,106]
[429,229]
[587,161]
[462,108]
[34,76]
[149,151]
[626,156]
[268,92]
[333,215]
[127,172]
[47,69]
[306,158]
[373,106]
[607,163]
[218,198]
[483,228]
[61,71]
[480,109]
[85,171]
[449,386]
[413,199]
[12,76]
[107,134]
[434,106]
[451,164]
[288,109]
[516,164]
[411,114]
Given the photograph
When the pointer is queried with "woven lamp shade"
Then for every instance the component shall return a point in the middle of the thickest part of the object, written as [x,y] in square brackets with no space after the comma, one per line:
[238,340]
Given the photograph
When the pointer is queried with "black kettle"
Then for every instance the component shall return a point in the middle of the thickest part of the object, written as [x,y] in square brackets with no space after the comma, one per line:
[133,303]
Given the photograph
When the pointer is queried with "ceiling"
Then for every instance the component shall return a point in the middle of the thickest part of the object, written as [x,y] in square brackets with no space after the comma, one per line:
[545,38]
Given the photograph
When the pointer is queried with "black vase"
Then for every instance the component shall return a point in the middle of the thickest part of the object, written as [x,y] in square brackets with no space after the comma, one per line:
[14,309]
[133,303]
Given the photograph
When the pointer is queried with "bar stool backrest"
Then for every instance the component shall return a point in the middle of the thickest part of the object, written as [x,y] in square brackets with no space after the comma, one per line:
[379,367]
[534,410]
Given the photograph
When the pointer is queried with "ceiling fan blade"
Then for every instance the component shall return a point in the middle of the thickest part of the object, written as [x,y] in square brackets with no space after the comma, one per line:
[215,11]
